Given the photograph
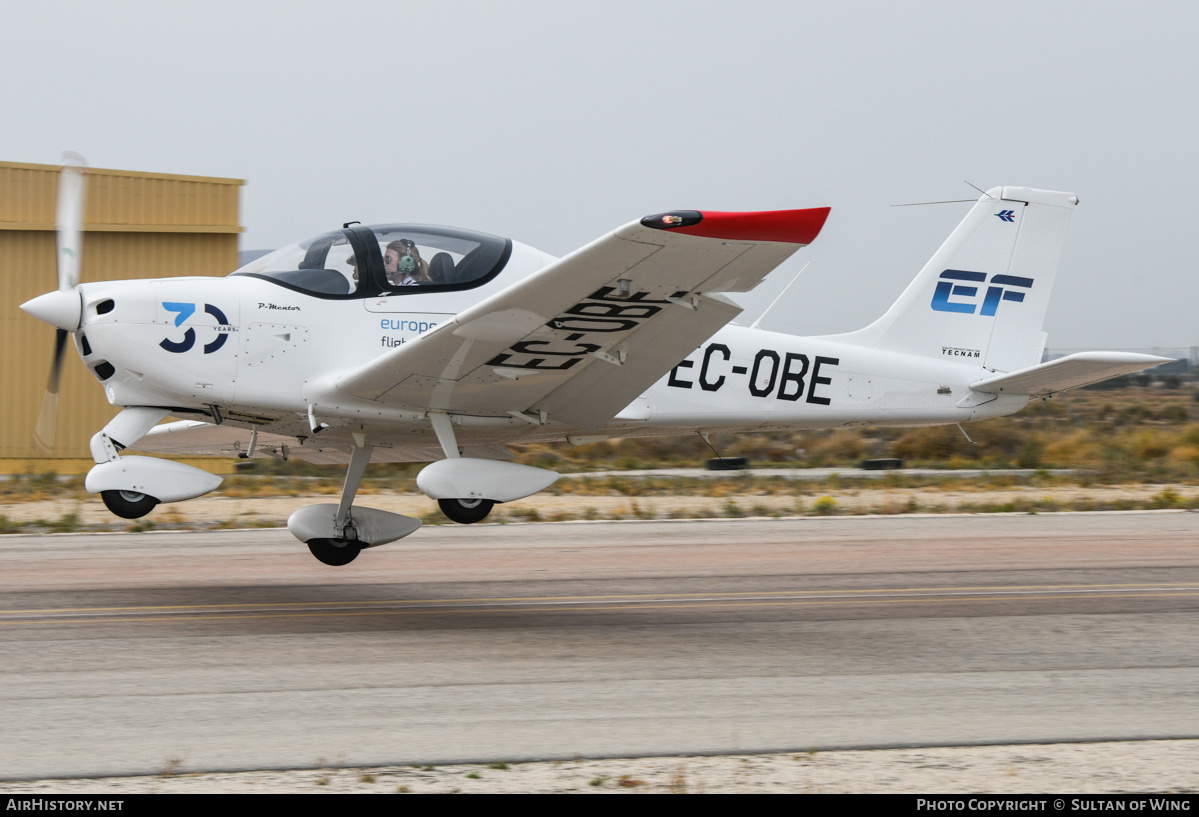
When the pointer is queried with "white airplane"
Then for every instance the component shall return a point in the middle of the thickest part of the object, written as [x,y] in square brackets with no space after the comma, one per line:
[429,344]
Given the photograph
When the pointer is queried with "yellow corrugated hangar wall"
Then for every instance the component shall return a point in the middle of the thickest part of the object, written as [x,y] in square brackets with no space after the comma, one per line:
[136,225]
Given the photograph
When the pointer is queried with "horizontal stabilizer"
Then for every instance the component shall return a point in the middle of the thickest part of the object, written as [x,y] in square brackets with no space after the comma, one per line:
[1068,372]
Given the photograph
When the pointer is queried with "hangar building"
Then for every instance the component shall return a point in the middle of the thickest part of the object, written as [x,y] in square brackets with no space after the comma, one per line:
[136,225]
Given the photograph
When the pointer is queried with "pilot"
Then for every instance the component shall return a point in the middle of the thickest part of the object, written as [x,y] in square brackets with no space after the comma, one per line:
[352,261]
[404,266]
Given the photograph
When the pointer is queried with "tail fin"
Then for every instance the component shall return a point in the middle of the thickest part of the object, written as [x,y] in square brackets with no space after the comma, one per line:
[982,297]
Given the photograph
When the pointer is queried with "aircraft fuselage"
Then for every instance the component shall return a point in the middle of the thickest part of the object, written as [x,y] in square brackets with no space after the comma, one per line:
[241,347]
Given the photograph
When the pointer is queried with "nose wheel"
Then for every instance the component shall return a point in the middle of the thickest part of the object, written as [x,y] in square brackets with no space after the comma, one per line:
[128,504]
[466,511]
[336,552]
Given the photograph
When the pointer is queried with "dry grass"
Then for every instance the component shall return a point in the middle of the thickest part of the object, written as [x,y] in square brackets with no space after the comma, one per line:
[1120,435]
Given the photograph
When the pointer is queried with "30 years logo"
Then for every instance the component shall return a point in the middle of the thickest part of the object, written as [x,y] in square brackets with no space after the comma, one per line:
[185,311]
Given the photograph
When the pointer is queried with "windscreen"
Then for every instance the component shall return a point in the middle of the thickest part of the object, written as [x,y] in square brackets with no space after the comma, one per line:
[411,259]
[323,265]
[437,257]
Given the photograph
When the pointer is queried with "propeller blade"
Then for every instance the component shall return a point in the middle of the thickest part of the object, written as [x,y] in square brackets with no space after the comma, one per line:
[72,191]
[47,420]
[69,220]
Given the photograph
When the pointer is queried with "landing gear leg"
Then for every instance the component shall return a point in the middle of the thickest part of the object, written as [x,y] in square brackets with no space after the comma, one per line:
[462,511]
[125,429]
[346,547]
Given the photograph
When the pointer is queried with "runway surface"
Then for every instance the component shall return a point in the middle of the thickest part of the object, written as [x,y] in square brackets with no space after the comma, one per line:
[129,653]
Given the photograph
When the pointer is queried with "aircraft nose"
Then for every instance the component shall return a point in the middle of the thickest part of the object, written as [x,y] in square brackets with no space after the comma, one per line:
[62,309]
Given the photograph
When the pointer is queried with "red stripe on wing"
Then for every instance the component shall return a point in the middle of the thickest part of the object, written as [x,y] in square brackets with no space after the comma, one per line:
[789,226]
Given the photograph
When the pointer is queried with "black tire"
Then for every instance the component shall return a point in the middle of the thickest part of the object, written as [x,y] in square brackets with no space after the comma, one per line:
[128,504]
[727,464]
[466,511]
[881,464]
[336,552]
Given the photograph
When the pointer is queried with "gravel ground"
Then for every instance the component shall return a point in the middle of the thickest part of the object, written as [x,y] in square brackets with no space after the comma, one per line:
[1082,768]
[1099,768]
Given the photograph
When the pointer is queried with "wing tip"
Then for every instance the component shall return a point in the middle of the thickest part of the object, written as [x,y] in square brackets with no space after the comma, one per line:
[784,226]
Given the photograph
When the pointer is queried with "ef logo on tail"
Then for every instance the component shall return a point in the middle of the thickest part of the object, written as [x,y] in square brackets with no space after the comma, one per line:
[999,289]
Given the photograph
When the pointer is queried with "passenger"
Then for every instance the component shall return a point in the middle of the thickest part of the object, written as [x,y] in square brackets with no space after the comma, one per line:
[404,266]
[353,262]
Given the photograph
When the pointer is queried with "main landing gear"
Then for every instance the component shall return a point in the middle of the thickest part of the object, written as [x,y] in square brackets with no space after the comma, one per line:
[466,488]
[466,511]
[132,486]
[128,504]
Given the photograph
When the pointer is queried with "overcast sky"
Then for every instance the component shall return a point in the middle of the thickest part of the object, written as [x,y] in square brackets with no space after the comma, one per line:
[555,122]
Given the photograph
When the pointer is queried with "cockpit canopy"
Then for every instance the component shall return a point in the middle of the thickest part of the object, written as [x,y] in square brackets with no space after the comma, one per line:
[387,259]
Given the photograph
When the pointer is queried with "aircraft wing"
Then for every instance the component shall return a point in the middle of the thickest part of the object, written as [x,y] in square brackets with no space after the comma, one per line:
[1068,372]
[580,339]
